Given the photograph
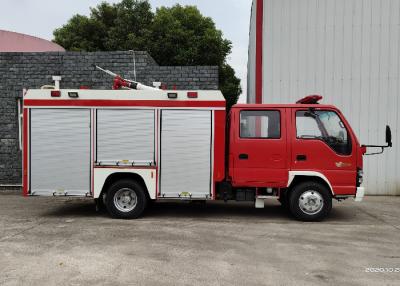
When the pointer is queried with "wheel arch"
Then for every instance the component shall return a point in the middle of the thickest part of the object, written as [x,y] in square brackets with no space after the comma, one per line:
[296,177]
[114,177]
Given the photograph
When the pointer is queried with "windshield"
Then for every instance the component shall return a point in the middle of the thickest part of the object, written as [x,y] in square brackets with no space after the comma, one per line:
[326,126]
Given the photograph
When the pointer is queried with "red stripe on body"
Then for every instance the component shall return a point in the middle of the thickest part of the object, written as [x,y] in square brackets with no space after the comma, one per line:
[157,159]
[121,103]
[219,149]
[25,187]
[92,125]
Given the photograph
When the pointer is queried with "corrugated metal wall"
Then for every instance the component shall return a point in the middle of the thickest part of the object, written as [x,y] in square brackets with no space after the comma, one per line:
[348,51]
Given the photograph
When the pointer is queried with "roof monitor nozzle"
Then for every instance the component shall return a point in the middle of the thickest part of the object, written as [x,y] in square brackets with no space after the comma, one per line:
[56,80]
[157,84]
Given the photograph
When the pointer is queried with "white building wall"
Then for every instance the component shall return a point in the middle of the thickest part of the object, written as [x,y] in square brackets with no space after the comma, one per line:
[348,51]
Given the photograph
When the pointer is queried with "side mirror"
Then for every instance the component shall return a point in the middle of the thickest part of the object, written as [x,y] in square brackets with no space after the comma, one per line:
[388,142]
[389,136]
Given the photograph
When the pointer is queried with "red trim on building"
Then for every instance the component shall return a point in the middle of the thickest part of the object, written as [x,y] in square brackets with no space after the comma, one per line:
[121,103]
[259,50]
[25,154]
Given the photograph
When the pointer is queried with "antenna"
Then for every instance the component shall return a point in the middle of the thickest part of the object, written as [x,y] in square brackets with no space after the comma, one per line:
[134,64]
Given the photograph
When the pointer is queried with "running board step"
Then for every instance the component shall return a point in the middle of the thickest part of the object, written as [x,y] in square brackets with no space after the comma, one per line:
[267,197]
[260,201]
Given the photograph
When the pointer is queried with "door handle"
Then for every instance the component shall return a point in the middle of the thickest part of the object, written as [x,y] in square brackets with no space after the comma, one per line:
[243,156]
[301,158]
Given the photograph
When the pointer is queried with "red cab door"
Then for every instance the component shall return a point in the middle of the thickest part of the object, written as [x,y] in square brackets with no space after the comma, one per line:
[258,148]
[323,143]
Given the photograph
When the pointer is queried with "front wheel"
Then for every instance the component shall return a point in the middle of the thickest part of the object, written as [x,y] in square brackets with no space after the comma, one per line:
[126,199]
[310,201]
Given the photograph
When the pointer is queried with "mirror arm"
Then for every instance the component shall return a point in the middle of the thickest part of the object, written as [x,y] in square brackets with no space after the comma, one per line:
[376,153]
[376,146]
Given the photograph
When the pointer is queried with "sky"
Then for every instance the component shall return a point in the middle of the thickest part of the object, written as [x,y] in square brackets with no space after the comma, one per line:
[40,17]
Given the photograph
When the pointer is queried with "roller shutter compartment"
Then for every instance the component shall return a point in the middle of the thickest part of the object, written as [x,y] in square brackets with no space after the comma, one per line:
[60,152]
[186,153]
[125,137]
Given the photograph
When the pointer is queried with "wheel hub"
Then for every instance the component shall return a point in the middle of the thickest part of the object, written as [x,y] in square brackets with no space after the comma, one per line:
[311,202]
[125,200]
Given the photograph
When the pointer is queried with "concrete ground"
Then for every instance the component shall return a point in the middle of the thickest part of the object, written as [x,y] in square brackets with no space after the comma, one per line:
[60,241]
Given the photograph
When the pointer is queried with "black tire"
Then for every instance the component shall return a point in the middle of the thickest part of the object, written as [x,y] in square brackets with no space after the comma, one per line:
[135,207]
[310,201]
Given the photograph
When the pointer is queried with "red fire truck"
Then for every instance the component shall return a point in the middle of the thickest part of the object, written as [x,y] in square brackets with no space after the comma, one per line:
[125,148]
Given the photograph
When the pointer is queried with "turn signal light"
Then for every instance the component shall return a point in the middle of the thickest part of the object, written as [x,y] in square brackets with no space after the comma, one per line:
[55,93]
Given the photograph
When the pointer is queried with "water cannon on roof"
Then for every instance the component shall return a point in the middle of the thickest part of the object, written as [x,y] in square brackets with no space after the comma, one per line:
[122,83]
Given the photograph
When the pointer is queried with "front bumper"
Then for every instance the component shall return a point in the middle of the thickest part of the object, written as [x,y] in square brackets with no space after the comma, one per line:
[360,194]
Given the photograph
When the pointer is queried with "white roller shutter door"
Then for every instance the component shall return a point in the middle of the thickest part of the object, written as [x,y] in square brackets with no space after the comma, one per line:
[125,135]
[60,152]
[186,153]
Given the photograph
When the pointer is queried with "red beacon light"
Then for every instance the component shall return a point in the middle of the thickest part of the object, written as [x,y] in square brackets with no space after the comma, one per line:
[311,99]
[192,94]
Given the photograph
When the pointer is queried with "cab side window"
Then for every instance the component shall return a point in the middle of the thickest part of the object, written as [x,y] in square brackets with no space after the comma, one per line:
[307,127]
[260,124]
[324,125]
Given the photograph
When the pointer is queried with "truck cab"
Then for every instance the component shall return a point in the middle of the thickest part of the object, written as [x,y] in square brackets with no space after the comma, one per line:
[304,154]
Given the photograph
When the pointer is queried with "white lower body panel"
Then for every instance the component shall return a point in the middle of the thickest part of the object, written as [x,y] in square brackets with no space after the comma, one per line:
[149,176]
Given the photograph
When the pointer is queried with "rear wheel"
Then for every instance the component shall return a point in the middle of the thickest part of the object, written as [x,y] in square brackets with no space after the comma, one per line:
[126,199]
[310,201]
